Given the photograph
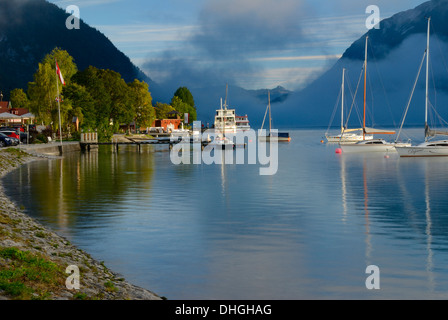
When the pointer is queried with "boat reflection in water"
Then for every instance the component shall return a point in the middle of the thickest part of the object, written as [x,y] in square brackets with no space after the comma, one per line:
[415,217]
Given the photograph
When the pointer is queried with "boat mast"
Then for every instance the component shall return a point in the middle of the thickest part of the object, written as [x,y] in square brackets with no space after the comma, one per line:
[365,86]
[270,120]
[225,102]
[342,102]
[427,83]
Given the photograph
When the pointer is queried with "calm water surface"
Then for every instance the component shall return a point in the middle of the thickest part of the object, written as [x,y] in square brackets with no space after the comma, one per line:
[225,232]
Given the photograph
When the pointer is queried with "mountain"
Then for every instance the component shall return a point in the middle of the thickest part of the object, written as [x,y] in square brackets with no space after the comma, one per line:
[207,100]
[278,94]
[30,29]
[395,53]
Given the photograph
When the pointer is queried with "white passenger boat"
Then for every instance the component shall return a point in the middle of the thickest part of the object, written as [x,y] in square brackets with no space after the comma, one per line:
[242,123]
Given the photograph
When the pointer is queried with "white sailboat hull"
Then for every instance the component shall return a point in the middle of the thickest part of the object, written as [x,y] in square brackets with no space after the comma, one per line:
[274,139]
[429,149]
[347,138]
[372,146]
[354,148]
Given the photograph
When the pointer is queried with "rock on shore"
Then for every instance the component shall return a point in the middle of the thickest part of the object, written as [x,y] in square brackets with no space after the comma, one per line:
[25,243]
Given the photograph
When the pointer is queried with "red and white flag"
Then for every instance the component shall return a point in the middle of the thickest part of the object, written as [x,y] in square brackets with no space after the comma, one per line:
[58,71]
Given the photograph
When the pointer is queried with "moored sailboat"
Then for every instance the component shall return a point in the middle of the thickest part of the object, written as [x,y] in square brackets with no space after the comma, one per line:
[273,136]
[428,148]
[370,145]
[346,135]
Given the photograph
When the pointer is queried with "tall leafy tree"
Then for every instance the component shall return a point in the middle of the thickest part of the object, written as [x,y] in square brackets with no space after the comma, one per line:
[43,90]
[142,103]
[82,105]
[111,96]
[183,102]
[185,95]
[182,107]
[19,99]
[162,110]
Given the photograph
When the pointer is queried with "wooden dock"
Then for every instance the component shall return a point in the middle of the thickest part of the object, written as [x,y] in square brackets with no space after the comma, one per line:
[91,140]
[86,146]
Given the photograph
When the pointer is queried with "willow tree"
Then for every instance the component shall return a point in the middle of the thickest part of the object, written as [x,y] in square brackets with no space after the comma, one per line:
[43,90]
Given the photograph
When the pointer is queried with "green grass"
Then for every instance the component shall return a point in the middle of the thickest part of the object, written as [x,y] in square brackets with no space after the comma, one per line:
[16,152]
[110,286]
[29,276]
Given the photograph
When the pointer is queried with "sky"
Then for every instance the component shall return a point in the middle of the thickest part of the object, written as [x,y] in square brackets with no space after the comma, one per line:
[253,44]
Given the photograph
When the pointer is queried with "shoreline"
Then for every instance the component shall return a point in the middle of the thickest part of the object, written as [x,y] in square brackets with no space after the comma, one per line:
[24,240]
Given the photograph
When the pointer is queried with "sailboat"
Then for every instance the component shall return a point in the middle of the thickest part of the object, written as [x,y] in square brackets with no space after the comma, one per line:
[370,145]
[273,136]
[428,148]
[346,136]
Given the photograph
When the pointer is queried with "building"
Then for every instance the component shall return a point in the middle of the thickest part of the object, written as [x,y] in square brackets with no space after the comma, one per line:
[6,107]
[172,122]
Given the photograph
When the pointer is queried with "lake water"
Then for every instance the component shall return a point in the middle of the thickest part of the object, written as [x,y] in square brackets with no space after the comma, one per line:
[226,232]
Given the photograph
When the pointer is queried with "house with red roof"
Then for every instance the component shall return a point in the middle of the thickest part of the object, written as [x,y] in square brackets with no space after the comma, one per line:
[6,107]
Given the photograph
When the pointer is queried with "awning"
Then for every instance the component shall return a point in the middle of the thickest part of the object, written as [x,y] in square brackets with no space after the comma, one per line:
[378,131]
[28,116]
[352,130]
[8,116]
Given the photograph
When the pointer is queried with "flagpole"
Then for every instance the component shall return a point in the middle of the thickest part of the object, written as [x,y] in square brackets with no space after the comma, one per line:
[59,103]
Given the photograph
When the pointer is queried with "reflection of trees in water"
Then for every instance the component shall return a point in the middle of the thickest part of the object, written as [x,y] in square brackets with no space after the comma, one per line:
[65,189]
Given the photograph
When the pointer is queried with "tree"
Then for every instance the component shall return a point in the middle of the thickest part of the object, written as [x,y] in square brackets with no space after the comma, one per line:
[141,100]
[183,102]
[182,107]
[19,99]
[43,90]
[162,110]
[112,99]
[185,95]
[82,105]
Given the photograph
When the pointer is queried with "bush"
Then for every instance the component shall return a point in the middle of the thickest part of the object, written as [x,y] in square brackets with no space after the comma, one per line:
[41,138]
[76,136]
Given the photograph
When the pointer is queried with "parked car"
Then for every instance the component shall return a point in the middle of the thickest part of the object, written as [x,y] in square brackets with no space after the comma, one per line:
[7,129]
[13,134]
[6,141]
